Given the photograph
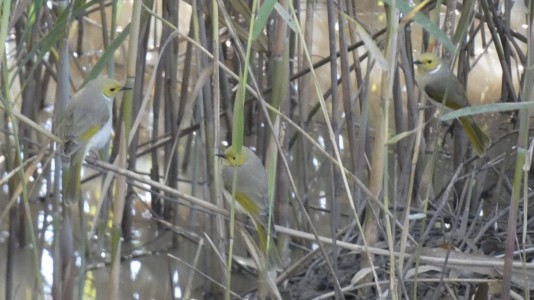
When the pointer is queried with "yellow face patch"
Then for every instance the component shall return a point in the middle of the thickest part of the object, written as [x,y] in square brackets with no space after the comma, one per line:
[112,89]
[233,158]
[428,61]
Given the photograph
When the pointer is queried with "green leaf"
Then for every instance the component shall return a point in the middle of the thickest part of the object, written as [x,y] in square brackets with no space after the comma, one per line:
[238,123]
[99,66]
[286,16]
[425,22]
[371,46]
[263,17]
[486,108]
[395,139]
[4,21]
[465,19]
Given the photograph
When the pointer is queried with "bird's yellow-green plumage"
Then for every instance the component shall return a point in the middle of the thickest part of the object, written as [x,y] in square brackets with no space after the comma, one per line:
[86,124]
[251,198]
[251,187]
[443,87]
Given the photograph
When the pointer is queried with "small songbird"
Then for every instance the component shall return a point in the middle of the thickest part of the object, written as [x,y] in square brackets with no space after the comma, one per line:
[251,187]
[251,195]
[85,125]
[438,82]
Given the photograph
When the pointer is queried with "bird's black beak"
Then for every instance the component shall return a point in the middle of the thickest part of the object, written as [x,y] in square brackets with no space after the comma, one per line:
[125,88]
[417,62]
[221,155]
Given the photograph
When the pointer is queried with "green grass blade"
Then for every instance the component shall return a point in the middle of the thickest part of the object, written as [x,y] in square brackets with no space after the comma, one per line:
[102,62]
[425,22]
[486,108]
[3,26]
[263,16]
[290,21]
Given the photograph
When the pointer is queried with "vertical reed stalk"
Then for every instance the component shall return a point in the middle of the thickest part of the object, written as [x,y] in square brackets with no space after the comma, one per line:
[334,193]
[522,148]
[125,126]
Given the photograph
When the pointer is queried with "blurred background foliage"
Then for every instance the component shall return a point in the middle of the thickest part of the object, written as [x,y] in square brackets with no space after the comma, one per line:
[329,103]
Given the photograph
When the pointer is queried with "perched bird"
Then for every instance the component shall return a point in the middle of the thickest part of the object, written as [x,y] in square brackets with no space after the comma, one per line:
[251,195]
[86,124]
[439,82]
[251,187]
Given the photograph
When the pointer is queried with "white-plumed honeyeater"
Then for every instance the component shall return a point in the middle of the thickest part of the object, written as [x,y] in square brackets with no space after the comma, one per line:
[441,85]
[251,195]
[86,124]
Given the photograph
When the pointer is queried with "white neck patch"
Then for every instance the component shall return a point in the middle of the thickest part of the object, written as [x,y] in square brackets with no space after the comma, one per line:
[435,70]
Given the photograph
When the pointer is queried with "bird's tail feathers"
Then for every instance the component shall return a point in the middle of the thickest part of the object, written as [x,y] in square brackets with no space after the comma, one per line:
[265,260]
[478,138]
[72,179]
[273,260]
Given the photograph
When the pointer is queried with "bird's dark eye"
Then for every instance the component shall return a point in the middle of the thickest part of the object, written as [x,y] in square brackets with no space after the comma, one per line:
[429,61]
[112,89]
